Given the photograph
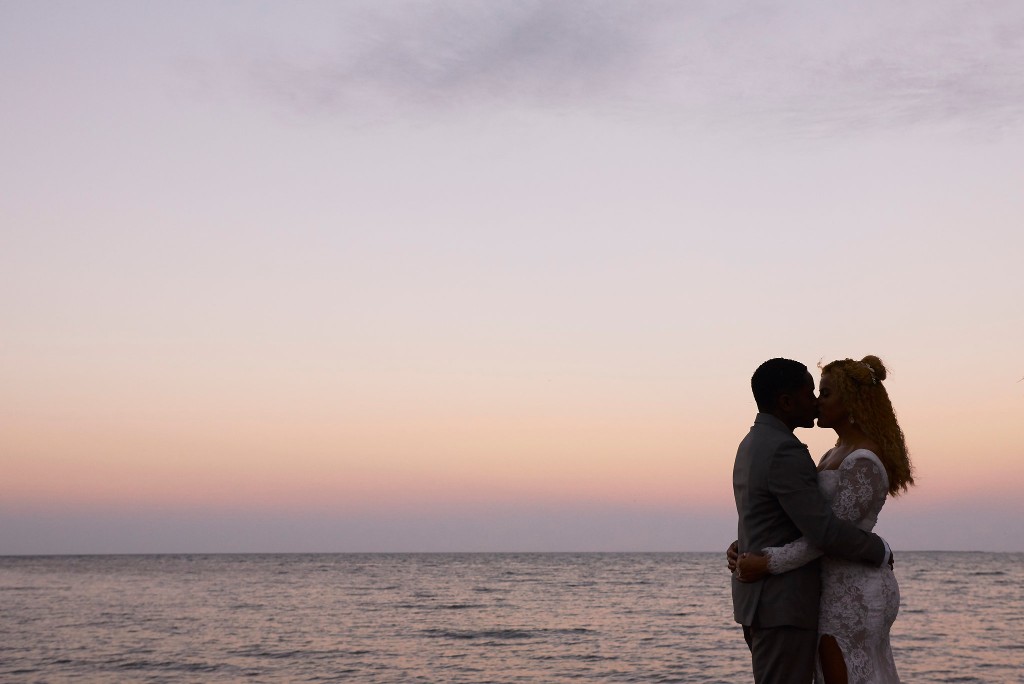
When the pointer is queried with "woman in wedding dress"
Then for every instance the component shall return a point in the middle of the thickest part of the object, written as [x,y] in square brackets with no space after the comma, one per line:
[858,602]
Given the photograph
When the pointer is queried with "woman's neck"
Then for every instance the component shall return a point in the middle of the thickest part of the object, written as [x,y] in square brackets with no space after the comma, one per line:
[850,435]
[851,438]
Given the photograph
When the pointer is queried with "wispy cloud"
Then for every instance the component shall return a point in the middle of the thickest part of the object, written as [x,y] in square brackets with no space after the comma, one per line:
[802,64]
[450,55]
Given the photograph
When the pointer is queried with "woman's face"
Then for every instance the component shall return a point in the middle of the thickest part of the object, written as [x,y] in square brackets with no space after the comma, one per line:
[831,411]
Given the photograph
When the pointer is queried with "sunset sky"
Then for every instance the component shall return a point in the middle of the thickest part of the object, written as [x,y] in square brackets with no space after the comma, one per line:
[494,275]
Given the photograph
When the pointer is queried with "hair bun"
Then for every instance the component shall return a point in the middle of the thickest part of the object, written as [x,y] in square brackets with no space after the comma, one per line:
[876,365]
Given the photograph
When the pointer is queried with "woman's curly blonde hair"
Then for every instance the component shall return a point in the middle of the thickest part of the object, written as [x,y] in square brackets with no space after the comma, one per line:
[860,387]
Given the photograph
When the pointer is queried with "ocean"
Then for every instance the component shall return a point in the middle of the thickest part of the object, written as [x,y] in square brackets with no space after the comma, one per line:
[402,618]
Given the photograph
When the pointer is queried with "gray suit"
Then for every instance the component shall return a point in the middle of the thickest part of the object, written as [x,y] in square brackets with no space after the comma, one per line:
[777,498]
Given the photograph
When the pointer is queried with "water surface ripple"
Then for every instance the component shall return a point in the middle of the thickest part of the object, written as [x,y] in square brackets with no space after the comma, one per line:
[390,618]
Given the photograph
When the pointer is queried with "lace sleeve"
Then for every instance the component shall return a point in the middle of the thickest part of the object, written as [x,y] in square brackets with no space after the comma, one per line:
[794,554]
[862,483]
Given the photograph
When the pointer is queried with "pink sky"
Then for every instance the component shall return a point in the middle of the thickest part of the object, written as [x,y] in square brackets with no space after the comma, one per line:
[328,278]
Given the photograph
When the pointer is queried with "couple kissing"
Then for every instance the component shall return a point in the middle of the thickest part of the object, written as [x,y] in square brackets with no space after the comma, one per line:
[812,586]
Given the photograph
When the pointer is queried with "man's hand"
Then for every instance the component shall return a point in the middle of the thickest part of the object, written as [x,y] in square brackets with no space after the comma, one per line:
[732,555]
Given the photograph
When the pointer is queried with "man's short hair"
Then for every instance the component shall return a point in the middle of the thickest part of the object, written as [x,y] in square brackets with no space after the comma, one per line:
[776,377]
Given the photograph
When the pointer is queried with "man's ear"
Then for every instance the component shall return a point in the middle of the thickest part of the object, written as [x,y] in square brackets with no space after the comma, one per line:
[784,403]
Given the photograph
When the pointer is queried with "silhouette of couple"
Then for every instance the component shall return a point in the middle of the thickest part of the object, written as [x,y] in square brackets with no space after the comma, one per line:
[812,586]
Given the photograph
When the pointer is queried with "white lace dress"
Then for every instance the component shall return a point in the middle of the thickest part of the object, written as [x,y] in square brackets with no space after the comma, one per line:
[858,602]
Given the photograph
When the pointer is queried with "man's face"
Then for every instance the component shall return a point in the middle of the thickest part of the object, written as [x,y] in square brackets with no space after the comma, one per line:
[805,404]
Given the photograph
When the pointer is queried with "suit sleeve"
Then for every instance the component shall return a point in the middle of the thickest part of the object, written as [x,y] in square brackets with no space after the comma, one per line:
[862,482]
[793,480]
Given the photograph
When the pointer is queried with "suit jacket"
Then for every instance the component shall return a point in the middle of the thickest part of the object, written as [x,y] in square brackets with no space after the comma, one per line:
[775,483]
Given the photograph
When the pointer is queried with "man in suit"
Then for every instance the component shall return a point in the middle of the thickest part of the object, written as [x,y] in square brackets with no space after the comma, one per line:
[777,499]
